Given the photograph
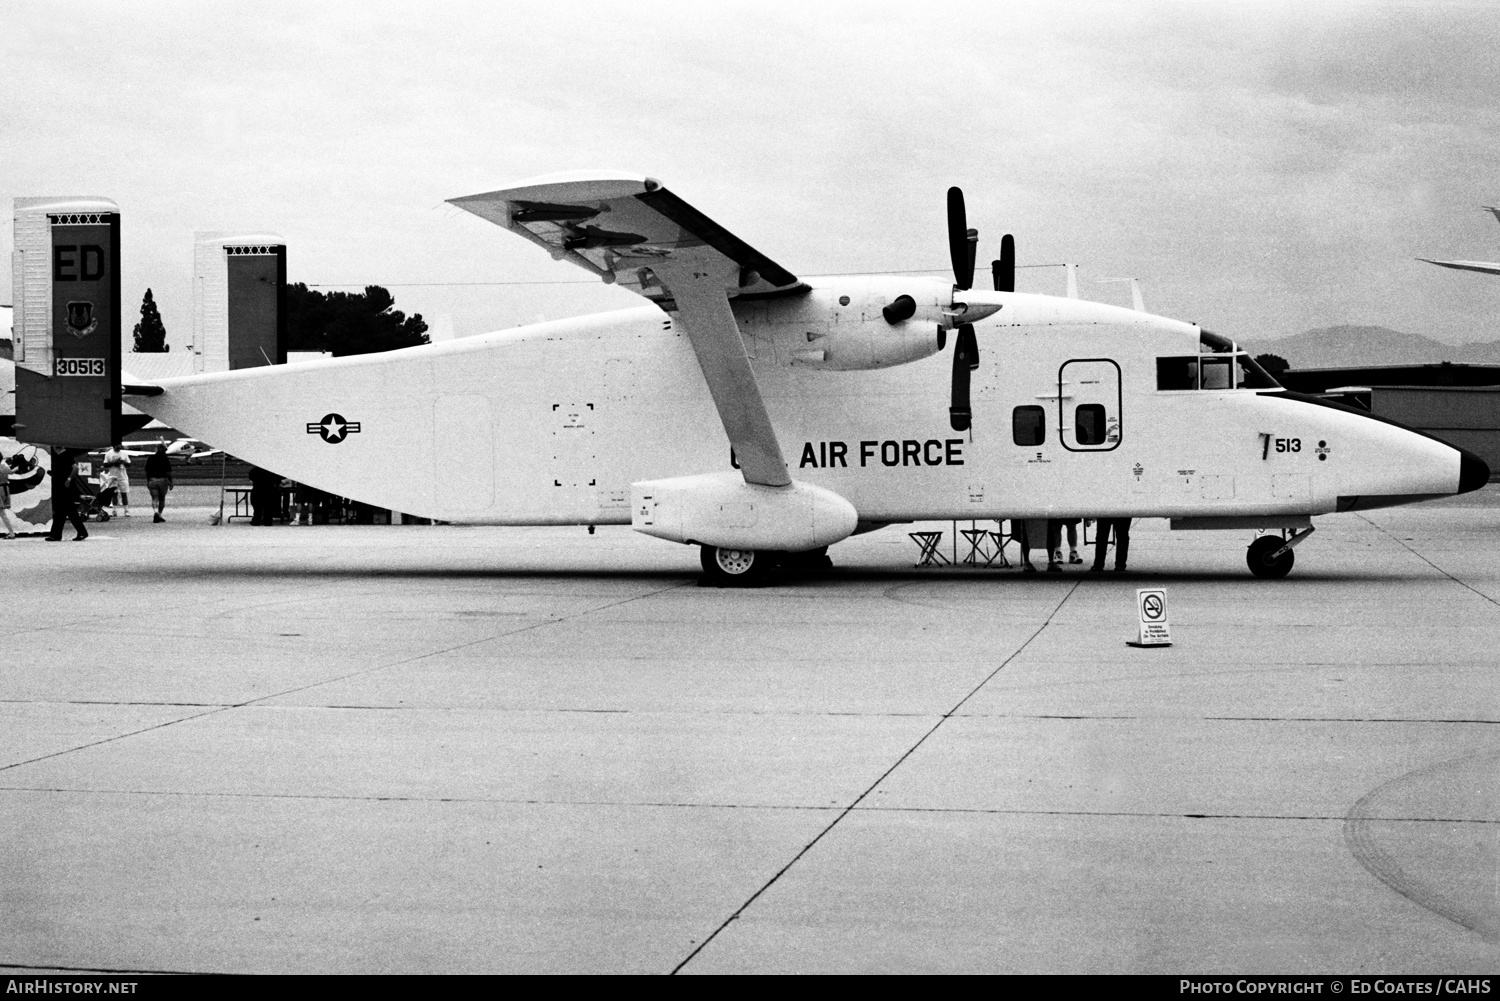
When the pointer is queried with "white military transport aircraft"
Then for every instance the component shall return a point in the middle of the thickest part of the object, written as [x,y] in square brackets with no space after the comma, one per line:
[763,416]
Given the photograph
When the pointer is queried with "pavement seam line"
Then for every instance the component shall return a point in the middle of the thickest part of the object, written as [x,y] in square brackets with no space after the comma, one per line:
[873,785]
[106,740]
[1402,543]
[329,681]
[778,807]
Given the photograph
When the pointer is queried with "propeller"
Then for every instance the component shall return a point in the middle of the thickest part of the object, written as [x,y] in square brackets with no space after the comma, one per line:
[1004,270]
[963,245]
[962,241]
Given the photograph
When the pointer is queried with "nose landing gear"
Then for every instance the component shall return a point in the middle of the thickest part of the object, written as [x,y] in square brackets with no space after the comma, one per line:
[1263,561]
[1271,558]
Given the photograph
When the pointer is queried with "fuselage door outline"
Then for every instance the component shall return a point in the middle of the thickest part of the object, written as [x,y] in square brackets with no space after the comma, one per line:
[1095,385]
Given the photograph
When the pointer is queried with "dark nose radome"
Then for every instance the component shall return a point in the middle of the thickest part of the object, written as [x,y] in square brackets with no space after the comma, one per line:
[1473,472]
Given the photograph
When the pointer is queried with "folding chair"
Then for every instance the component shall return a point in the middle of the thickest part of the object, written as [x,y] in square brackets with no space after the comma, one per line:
[929,542]
[985,547]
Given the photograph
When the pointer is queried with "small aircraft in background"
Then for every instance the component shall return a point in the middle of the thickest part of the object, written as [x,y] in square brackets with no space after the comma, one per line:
[186,449]
[1483,267]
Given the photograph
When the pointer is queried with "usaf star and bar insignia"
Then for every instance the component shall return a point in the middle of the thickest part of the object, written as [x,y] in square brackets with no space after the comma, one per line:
[333,428]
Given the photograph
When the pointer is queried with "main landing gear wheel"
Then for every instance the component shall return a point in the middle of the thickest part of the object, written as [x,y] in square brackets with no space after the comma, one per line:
[734,567]
[1258,556]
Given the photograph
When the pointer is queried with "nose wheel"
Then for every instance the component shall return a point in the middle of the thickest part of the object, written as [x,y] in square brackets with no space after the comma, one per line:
[1264,561]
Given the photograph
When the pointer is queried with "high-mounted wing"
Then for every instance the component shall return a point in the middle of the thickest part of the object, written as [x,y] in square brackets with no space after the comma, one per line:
[620,227]
[633,232]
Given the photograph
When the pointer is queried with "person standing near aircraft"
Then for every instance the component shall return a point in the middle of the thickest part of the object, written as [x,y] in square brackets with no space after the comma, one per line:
[1047,531]
[1121,528]
[65,491]
[10,528]
[116,467]
[1071,524]
[264,485]
[158,480]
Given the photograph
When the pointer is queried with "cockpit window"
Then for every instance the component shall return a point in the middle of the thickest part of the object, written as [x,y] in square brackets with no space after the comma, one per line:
[1177,373]
[1252,376]
[1219,364]
[1212,371]
[1215,373]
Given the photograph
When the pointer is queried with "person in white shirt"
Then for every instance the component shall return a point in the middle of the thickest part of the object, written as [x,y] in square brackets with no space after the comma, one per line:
[117,469]
[10,529]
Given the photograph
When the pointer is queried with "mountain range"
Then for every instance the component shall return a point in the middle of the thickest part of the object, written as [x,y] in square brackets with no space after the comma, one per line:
[1347,346]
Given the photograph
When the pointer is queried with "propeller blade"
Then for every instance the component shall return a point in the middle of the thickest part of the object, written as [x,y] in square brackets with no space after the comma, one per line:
[1004,270]
[965,360]
[961,240]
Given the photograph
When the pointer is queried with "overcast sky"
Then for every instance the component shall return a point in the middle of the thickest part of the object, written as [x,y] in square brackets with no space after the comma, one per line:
[1263,168]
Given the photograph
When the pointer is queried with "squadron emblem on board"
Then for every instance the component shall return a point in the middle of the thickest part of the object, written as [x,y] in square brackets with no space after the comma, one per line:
[333,428]
[81,319]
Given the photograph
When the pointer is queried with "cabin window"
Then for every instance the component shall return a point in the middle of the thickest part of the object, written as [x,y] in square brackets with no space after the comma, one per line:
[1028,426]
[1088,424]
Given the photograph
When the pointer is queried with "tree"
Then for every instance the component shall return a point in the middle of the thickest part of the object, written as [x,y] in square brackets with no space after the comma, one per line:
[150,335]
[1273,364]
[349,323]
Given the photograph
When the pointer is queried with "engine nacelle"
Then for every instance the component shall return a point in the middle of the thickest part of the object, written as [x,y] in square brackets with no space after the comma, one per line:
[871,344]
[864,323]
[722,510]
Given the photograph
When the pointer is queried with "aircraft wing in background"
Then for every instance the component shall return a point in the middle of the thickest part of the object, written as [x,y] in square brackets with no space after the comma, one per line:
[1484,267]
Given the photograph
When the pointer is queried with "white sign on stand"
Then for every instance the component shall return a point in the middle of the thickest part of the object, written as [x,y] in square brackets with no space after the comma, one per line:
[1151,603]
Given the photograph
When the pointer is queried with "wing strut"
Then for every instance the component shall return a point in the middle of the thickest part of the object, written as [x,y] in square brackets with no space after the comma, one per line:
[703,306]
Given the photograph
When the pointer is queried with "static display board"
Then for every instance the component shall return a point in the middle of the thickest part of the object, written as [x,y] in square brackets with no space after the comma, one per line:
[68,362]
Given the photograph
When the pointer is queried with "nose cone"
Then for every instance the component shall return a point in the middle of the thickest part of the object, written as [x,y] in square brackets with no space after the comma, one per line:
[1473,472]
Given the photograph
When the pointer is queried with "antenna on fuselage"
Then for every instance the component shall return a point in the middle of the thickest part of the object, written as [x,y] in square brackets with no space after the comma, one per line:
[1072,280]
[1137,302]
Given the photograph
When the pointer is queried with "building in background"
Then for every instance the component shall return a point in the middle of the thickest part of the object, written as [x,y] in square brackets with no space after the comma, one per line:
[1459,404]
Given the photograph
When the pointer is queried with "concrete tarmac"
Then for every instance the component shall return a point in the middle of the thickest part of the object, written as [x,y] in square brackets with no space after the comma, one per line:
[444,749]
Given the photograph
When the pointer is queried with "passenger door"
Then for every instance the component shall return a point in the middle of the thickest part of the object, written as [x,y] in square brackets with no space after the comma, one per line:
[1088,400]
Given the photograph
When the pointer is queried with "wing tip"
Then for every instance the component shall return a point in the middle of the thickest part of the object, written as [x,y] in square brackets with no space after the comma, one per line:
[568,185]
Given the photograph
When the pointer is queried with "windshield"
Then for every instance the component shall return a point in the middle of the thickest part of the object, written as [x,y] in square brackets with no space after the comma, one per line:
[1252,376]
[1212,371]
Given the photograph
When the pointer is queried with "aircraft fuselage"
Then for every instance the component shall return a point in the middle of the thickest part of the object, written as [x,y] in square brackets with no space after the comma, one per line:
[551,424]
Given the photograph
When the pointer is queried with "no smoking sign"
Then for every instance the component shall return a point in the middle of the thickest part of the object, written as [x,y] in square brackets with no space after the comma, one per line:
[1151,603]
